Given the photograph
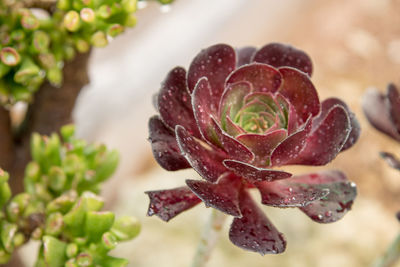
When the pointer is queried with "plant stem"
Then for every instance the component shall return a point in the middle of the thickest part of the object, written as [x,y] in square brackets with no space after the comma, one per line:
[391,255]
[209,238]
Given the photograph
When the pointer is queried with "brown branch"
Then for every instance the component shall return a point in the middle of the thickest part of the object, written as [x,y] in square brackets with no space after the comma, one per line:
[51,109]
[6,140]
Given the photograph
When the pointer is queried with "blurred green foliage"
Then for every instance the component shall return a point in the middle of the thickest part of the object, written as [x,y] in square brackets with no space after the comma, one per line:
[35,43]
[60,206]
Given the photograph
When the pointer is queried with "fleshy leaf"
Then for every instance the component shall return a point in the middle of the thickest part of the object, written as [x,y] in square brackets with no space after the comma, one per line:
[174,102]
[254,174]
[232,128]
[223,196]
[205,160]
[254,231]
[290,113]
[214,63]
[287,193]
[394,105]
[245,55]
[232,100]
[166,204]
[325,142]
[280,55]
[339,200]
[203,109]
[262,77]
[164,146]
[298,89]
[291,147]
[233,147]
[263,145]
[376,110]
[326,106]
[391,160]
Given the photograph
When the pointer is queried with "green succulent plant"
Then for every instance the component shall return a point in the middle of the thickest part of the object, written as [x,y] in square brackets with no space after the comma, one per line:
[35,45]
[60,206]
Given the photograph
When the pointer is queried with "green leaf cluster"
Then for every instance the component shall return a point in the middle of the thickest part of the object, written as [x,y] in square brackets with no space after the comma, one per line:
[35,45]
[60,206]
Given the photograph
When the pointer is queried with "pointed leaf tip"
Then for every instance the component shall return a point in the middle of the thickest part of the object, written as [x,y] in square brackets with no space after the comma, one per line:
[253,231]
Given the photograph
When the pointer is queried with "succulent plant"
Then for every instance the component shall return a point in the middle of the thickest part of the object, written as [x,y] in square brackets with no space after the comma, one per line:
[233,117]
[383,113]
[35,43]
[60,206]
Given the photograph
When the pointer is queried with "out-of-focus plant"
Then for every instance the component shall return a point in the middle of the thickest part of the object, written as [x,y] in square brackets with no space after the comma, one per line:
[383,113]
[60,206]
[233,117]
[44,51]
[35,43]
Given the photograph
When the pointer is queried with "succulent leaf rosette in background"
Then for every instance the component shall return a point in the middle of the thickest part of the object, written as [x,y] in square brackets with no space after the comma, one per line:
[233,117]
[383,113]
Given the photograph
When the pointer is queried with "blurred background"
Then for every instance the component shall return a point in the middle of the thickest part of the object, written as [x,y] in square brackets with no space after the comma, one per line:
[353,44]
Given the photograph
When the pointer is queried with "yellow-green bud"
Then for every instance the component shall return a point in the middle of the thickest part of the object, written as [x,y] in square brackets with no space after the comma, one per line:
[115,29]
[99,39]
[54,224]
[87,15]
[30,22]
[84,260]
[72,21]
[126,228]
[9,56]
[72,250]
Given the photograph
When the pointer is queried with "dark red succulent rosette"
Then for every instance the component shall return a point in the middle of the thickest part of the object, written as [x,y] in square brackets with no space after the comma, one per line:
[383,113]
[233,117]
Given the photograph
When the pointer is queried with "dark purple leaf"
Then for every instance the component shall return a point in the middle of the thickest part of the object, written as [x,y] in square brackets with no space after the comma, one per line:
[326,106]
[298,89]
[394,105]
[391,160]
[254,174]
[291,147]
[279,55]
[203,159]
[262,77]
[215,63]
[174,102]
[288,109]
[164,146]
[263,145]
[203,109]
[223,196]
[254,231]
[376,109]
[287,193]
[166,204]
[339,200]
[244,55]
[326,141]
[233,147]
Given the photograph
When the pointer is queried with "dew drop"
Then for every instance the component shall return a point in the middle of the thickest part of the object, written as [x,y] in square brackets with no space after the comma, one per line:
[320,216]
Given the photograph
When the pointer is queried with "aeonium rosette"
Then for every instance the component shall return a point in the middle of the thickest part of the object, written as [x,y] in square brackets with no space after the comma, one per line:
[233,117]
[383,112]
